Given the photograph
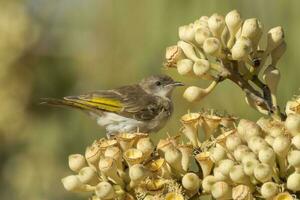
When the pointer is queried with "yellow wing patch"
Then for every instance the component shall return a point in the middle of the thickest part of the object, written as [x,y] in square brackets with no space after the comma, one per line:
[110,105]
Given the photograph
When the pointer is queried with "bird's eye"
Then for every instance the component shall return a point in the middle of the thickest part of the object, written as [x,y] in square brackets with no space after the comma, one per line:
[158,83]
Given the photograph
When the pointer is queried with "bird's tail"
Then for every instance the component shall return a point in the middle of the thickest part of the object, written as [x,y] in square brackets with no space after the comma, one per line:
[66,103]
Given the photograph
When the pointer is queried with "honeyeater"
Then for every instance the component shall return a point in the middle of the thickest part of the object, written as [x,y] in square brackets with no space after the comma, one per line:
[145,106]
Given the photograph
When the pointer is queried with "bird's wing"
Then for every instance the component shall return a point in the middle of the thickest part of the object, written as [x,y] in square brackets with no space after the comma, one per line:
[128,101]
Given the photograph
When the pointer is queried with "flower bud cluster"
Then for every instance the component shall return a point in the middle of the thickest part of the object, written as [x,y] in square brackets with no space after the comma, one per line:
[237,160]
[218,47]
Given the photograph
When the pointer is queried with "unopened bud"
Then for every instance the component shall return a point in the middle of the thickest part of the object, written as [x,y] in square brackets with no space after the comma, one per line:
[241,48]
[76,162]
[188,50]
[201,67]
[216,24]
[233,21]
[271,77]
[202,34]
[185,66]
[275,38]
[186,33]
[277,53]
[212,46]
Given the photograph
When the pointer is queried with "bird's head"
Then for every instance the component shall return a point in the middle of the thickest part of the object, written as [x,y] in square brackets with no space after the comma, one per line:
[159,85]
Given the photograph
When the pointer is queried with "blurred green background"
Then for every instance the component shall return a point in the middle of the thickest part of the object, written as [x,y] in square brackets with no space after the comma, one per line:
[54,48]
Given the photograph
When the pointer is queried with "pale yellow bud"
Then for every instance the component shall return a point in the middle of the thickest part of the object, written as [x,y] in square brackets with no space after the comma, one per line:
[202,34]
[174,158]
[251,28]
[241,49]
[263,172]
[237,175]
[191,182]
[72,183]
[217,154]
[188,50]
[186,33]
[233,141]
[212,46]
[194,93]
[88,175]
[242,192]
[257,143]
[233,21]
[216,24]
[185,67]
[267,155]
[269,190]
[275,38]
[201,67]
[249,166]
[294,158]
[207,183]
[105,191]
[225,166]
[137,173]
[146,146]
[240,151]
[293,182]
[76,162]
[292,124]
[221,190]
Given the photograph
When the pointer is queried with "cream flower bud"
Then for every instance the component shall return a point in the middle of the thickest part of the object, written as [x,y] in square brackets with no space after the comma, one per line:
[216,24]
[296,141]
[173,55]
[202,34]
[185,67]
[188,50]
[263,172]
[201,67]
[257,143]
[88,175]
[232,142]
[281,145]
[275,38]
[194,93]
[225,166]
[212,46]
[137,173]
[233,21]
[72,183]
[241,49]
[207,183]
[221,190]
[76,162]
[186,33]
[249,166]
[191,182]
[269,139]
[217,154]
[292,124]
[251,29]
[247,129]
[294,159]
[248,156]
[267,156]
[237,175]
[174,158]
[105,191]
[269,190]
[218,175]
[146,146]
[293,182]
[240,151]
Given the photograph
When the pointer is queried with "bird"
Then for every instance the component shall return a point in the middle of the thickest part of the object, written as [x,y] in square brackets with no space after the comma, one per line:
[145,106]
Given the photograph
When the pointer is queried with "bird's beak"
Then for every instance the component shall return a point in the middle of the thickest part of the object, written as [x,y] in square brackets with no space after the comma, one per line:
[176,83]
